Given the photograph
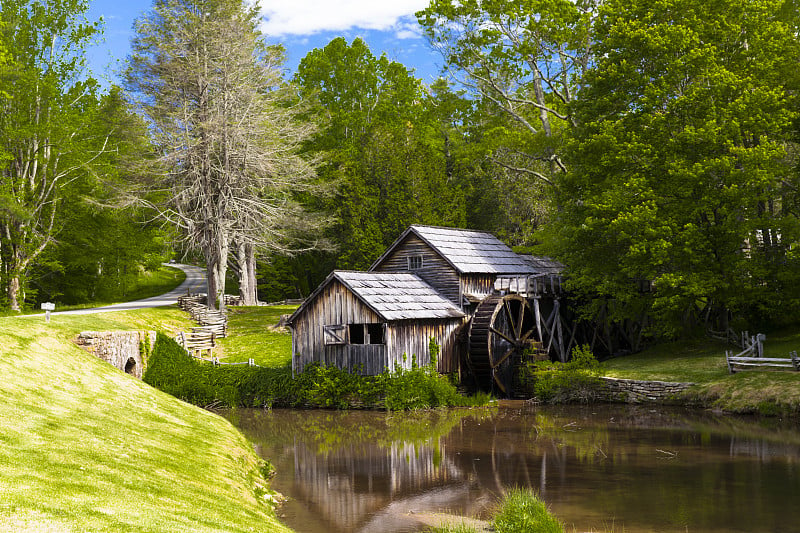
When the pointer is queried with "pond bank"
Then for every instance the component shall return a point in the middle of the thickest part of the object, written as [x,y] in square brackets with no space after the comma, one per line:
[639,391]
[702,361]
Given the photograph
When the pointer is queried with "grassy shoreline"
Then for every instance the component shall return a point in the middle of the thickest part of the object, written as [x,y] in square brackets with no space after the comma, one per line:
[702,361]
[85,447]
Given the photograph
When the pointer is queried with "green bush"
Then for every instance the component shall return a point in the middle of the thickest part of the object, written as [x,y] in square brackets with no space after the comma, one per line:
[201,383]
[418,388]
[574,381]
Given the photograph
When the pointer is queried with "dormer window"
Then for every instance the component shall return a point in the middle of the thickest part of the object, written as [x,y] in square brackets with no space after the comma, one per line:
[414,262]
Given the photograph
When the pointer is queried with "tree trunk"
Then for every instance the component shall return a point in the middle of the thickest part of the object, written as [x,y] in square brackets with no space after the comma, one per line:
[246,262]
[211,284]
[251,274]
[222,269]
[13,292]
[16,269]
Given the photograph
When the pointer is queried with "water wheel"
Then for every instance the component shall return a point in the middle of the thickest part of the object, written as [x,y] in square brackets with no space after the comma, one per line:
[500,331]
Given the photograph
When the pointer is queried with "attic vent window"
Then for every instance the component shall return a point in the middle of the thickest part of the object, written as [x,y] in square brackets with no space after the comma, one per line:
[414,262]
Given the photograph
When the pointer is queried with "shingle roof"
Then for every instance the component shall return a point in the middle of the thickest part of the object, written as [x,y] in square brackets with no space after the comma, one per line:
[473,252]
[392,296]
[398,296]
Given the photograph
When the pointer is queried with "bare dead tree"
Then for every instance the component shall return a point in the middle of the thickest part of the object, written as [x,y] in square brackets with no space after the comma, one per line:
[228,130]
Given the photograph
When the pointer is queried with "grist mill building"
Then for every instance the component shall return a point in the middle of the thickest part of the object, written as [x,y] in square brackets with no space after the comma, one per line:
[480,302]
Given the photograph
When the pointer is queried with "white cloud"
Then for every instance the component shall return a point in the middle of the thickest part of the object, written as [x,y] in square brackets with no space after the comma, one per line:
[305,17]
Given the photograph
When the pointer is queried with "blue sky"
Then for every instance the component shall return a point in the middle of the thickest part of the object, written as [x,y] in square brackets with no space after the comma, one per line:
[300,25]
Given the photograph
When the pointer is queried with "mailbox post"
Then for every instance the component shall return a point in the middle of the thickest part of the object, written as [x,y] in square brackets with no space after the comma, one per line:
[48,306]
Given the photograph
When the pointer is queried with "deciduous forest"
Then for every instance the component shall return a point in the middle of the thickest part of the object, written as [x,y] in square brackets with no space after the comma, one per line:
[651,147]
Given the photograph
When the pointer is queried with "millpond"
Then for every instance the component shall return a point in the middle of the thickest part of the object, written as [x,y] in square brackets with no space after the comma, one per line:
[599,468]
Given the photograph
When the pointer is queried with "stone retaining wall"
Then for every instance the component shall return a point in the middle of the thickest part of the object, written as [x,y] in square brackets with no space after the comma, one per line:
[121,349]
[635,391]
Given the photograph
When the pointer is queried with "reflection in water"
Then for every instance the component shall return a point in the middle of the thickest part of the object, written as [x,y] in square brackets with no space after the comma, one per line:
[614,468]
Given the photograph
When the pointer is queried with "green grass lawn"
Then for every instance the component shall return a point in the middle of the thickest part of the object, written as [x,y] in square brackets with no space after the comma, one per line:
[86,447]
[251,334]
[702,361]
[696,360]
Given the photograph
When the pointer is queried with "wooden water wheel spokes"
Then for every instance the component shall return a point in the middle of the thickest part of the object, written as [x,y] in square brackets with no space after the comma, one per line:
[500,331]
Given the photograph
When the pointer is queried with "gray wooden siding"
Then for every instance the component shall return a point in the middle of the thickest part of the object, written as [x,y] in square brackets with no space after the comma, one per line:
[480,285]
[412,338]
[365,359]
[437,272]
[335,304]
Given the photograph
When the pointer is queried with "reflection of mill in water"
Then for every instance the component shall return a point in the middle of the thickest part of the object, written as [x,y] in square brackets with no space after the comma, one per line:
[368,487]
[353,484]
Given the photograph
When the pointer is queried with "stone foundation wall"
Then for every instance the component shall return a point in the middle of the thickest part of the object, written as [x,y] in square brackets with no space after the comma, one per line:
[634,391]
[121,349]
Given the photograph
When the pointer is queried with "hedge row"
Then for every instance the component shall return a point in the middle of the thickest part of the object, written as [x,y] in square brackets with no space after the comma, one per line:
[201,383]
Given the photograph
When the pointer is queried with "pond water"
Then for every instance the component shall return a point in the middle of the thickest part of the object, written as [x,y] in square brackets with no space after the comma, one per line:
[599,468]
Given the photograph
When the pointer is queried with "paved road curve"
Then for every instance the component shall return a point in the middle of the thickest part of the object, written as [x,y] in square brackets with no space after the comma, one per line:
[195,282]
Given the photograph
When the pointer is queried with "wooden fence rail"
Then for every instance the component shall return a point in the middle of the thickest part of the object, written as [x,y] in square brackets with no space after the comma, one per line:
[752,357]
[737,363]
[197,342]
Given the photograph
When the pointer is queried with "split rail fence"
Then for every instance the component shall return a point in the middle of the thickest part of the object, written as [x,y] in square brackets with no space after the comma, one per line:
[201,340]
[752,357]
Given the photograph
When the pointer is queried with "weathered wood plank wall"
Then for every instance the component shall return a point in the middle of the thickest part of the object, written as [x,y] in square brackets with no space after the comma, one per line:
[478,285]
[413,337]
[334,305]
[337,305]
[366,359]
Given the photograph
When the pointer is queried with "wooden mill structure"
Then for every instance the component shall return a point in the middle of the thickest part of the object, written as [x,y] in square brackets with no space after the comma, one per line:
[485,306]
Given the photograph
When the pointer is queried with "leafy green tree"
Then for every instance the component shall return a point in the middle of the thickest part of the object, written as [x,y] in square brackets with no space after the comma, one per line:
[385,149]
[46,129]
[679,173]
[103,246]
[525,60]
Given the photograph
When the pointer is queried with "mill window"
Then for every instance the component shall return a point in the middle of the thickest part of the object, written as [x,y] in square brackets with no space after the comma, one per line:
[367,333]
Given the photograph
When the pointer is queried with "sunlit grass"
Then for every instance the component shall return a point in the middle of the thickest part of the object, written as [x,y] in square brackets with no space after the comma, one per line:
[520,511]
[86,447]
[692,361]
[251,334]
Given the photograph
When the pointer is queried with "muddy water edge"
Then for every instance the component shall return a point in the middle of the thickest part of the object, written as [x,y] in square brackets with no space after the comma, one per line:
[599,468]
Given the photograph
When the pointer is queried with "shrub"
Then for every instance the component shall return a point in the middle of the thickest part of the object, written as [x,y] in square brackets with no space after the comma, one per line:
[574,381]
[418,388]
[173,371]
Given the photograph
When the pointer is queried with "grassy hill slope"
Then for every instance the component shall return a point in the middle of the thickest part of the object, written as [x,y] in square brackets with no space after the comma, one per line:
[85,447]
